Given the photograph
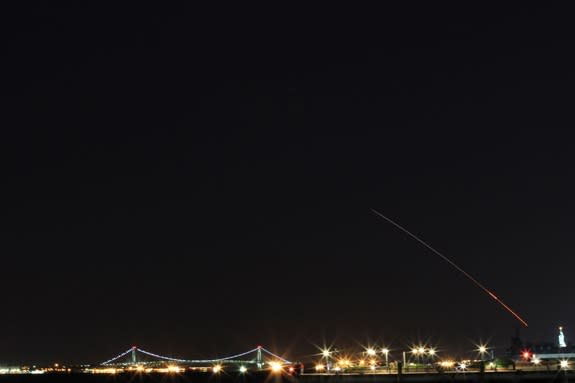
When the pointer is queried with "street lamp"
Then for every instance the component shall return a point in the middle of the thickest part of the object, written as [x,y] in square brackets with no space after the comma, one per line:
[370,351]
[343,364]
[482,349]
[415,351]
[418,351]
[326,354]
[385,351]
[275,366]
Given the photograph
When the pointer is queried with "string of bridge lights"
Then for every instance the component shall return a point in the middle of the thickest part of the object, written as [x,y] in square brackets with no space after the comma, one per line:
[132,349]
[197,360]
[117,357]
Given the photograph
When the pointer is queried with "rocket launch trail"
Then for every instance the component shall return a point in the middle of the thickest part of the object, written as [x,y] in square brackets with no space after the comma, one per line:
[485,289]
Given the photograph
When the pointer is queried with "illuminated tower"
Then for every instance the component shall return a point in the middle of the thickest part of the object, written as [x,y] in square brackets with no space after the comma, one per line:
[259,360]
[134,360]
[561,340]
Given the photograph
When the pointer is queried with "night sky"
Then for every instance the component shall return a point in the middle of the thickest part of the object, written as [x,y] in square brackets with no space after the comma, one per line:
[198,182]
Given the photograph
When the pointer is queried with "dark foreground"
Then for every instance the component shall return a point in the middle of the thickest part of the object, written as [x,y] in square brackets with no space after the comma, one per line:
[490,377]
[145,378]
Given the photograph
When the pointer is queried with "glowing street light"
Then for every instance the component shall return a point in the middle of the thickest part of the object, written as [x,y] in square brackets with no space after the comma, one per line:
[343,363]
[385,351]
[372,364]
[564,364]
[370,351]
[447,363]
[243,369]
[326,354]
[418,351]
[217,369]
[482,351]
[276,366]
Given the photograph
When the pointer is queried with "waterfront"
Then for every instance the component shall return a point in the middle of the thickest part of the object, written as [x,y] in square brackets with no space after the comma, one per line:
[488,377]
[141,377]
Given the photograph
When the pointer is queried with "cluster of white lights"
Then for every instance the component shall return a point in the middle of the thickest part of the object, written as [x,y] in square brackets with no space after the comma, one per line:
[370,353]
[420,350]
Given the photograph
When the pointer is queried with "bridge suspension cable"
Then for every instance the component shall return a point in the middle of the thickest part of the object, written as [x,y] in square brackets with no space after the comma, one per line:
[195,360]
[160,356]
[118,356]
[275,356]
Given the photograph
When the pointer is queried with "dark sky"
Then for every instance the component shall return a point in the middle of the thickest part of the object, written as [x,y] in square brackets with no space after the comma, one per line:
[198,182]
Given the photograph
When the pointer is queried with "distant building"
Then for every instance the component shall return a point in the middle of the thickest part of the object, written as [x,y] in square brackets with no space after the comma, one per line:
[518,347]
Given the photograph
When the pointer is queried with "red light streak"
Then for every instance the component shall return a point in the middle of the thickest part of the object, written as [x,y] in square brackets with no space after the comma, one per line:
[523,322]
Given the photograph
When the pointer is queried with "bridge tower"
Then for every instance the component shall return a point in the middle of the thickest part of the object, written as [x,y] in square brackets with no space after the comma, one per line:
[259,359]
[134,359]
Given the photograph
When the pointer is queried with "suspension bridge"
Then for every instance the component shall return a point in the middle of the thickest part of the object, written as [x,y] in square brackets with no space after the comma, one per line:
[258,357]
